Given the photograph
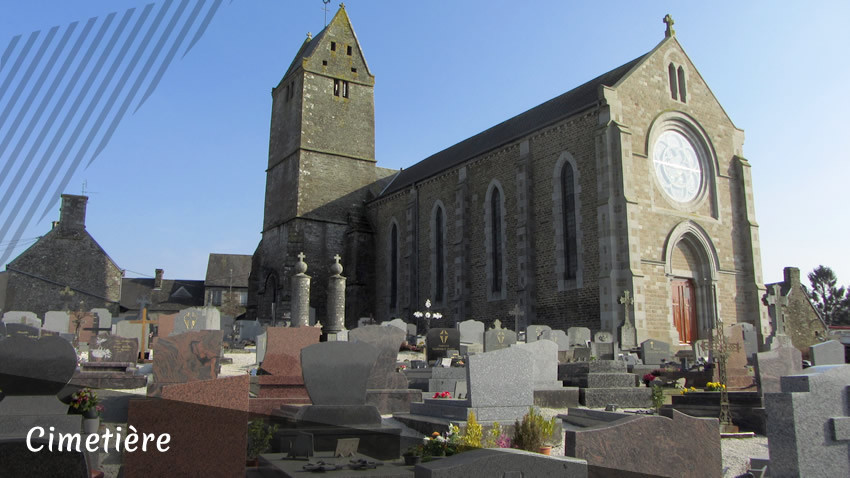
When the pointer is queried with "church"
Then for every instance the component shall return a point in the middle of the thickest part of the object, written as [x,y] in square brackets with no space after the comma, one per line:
[627,199]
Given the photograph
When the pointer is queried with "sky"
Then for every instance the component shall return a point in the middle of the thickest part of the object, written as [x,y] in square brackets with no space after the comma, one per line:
[183,173]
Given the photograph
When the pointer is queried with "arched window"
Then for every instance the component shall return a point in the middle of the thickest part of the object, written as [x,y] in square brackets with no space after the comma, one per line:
[568,209]
[496,238]
[438,256]
[682,88]
[674,90]
[394,267]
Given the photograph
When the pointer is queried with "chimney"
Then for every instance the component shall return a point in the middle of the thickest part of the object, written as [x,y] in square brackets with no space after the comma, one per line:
[72,215]
[792,276]
[157,282]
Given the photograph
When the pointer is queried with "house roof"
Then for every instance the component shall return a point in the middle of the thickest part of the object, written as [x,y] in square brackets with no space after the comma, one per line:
[554,110]
[173,296]
[225,270]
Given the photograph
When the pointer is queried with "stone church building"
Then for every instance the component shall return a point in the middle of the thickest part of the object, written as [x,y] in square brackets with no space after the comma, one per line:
[632,182]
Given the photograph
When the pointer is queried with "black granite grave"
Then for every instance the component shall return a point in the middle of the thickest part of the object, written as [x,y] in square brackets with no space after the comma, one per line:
[439,341]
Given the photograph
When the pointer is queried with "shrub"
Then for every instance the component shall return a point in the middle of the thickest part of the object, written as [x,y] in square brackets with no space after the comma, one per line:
[259,438]
[533,431]
[473,433]
[657,397]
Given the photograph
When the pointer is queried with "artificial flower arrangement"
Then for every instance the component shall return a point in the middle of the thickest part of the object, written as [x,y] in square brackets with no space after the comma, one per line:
[714,386]
[85,402]
[648,378]
[442,395]
[687,390]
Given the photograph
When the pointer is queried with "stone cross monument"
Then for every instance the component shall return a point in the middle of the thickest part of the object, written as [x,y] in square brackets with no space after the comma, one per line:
[628,334]
[776,304]
[300,294]
[336,301]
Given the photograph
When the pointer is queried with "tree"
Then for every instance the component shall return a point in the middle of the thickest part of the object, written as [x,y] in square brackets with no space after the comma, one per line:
[832,302]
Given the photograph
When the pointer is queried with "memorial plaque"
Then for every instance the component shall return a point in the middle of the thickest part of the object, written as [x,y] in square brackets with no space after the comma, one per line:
[440,341]
[346,447]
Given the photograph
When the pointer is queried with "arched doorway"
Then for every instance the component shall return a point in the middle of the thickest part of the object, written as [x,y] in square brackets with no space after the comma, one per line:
[691,267]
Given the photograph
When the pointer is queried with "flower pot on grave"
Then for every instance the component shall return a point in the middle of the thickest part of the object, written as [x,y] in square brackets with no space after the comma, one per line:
[545,450]
[91,425]
[90,413]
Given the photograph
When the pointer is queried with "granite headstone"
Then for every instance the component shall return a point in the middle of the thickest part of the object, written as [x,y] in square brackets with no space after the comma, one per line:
[535,332]
[559,337]
[197,318]
[185,358]
[386,341]
[497,339]
[830,352]
[654,352]
[22,317]
[579,336]
[440,341]
[471,331]
[337,373]
[112,348]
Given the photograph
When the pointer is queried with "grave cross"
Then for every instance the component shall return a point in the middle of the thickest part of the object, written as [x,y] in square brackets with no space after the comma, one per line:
[78,320]
[721,350]
[778,302]
[626,300]
[143,302]
[96,325]
[517,313]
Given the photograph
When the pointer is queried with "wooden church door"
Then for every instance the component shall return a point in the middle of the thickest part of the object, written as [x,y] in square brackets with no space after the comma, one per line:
[684,313]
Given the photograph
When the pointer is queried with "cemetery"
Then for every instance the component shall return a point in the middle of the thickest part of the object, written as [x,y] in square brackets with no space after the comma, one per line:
[409,399]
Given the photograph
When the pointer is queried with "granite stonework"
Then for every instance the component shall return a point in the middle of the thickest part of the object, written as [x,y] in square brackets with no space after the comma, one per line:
[579,336]
[57,321]
[808,425]
[500,388]
[559,337]
[282,382]
[774,364]
[471,331]
[21,317]
[655,352]
[445,379]
[439,342]
[336,375]
[745,408]
[535,332]
[387,388]
[22,330]
[497,339]
[194,319]
[674,445]
[751,340]
[165,324]
[604,350]
[185,358]
[737,369]
[830,352]
[603,382]
[207,423]
[112,348]
[32,372]
[544,369]
[262,343]
[249,330]
[502,462]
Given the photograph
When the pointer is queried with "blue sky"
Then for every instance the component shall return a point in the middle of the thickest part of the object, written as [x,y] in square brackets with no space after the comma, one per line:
[183,176]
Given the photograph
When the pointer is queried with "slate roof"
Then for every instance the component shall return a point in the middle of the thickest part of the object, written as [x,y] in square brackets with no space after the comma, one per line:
[175,295]
[550,112]
[220,266]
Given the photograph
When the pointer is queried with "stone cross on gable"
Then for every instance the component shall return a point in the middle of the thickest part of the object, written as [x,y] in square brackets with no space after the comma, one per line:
[516,312]
[669,21]
[778,302]
[67,295]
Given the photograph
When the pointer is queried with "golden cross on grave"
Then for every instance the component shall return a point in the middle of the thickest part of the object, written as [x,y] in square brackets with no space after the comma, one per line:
[444,336]
[669,21]
[143,302]
[501,336]
[190,319]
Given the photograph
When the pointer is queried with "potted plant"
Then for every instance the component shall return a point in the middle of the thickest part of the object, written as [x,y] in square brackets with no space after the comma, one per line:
[86,403]
[533,433]
[259,440]
[413,455]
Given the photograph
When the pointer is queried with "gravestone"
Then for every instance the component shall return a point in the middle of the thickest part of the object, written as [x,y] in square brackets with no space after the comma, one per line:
[501,462]
[827,353]
[471,331]
[497,339]
[32,372]
[535,332]
[702,348]
[197,318]
[439,341]
[654,352]
[185,357]
[807,424]
[129,330]
[283,349]
[386,341]
[206,422]
[22,330]
[751,341]
[338,373]
[604,350]
[581,354]
[411,333]
[398,323]
[559,337]
[111,348]
[603,337]
[544,355]
[737,372]
[501,379]
[22,317]
[770,366]
[579,336]
[165,324]
[104,319]
[261,347]
[249,330]
[57,321]
[616,444]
